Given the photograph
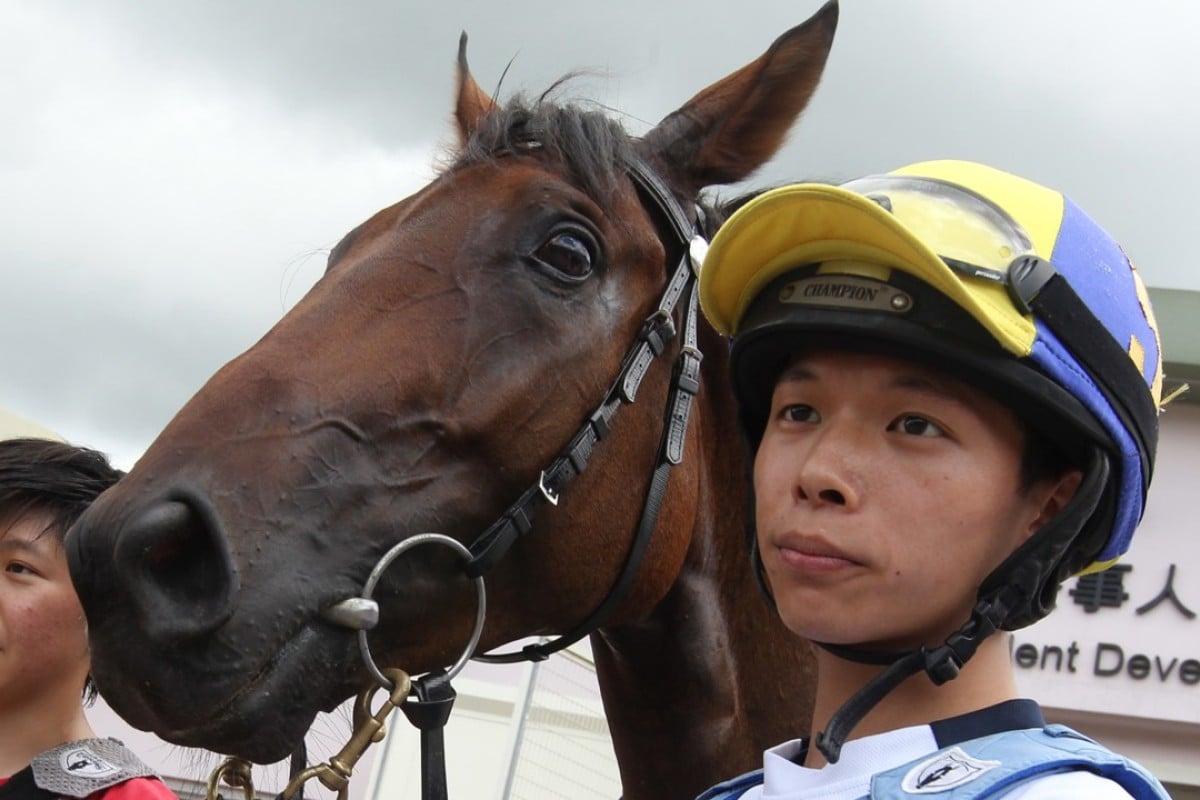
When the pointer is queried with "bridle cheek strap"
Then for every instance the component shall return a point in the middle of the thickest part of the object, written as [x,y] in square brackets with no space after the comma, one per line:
[652,340]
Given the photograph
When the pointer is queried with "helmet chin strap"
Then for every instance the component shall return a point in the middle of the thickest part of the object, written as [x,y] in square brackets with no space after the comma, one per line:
[942,664]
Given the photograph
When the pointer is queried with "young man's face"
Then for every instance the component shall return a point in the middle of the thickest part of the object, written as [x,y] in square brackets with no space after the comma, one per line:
[43,633]
[886,492]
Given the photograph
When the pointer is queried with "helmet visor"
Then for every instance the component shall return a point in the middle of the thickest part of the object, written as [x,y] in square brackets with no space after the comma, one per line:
[971,235]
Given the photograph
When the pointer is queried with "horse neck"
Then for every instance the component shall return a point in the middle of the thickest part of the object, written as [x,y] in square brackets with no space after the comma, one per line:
[696,689]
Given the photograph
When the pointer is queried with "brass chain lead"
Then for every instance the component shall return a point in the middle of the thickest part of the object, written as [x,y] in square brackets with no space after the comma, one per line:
[334,774]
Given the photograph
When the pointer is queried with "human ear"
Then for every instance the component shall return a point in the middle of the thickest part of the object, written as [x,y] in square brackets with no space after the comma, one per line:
[1051,496]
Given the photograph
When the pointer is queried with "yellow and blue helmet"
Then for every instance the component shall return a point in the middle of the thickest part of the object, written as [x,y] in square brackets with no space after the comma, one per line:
[987,275]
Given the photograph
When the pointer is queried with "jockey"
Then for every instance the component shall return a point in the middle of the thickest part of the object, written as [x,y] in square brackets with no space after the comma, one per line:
[47,748]
[950,378]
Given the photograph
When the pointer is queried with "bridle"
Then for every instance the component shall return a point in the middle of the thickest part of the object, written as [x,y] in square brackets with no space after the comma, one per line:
[434,697]
[650,342]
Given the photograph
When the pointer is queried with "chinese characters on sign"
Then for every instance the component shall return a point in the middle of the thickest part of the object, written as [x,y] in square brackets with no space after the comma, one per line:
[1102,589]
[1106,589]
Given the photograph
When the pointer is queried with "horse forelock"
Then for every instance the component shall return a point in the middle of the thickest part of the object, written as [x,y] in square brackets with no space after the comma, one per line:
[587,144]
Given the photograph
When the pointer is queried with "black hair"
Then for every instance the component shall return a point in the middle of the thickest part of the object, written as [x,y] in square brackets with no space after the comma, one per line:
[1042,459]
[55,480]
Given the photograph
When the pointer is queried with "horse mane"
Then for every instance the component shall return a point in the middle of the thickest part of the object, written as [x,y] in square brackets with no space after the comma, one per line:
[588,144]
[719,209]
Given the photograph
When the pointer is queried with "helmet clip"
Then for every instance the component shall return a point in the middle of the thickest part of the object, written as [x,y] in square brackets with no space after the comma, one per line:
[1026,277]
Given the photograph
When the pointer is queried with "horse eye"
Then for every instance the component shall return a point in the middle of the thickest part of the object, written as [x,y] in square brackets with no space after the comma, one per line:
[567,253]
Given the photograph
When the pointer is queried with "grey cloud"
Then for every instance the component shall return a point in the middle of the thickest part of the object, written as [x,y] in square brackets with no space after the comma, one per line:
[171,166]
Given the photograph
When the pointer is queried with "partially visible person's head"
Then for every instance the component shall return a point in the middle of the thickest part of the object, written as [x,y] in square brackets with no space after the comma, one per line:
[968,273]
[45,486]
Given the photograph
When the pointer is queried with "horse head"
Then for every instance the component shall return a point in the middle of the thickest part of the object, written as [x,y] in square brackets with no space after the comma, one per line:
[455,344]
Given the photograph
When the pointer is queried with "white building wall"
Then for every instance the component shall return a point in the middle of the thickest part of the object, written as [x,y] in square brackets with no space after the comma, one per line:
[519,733]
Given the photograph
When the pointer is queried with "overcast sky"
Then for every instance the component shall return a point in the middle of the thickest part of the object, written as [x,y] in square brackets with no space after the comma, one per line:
[172,174]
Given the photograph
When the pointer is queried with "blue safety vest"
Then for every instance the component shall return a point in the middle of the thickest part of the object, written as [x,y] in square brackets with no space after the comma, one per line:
[988,766]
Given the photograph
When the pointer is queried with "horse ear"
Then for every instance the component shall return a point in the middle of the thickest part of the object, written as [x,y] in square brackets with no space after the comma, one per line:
[737,124]
[473,103]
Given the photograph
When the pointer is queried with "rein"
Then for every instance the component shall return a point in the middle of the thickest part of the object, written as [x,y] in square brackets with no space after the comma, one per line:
[433,695]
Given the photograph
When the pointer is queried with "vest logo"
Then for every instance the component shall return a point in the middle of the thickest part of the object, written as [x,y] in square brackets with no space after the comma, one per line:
[945,771]
[846,291]
[83,763]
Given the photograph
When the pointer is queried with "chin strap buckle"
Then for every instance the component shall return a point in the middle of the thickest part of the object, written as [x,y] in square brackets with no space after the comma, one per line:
[944,663]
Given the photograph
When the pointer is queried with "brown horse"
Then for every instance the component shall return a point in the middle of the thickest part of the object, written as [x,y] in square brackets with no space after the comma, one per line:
[456,342]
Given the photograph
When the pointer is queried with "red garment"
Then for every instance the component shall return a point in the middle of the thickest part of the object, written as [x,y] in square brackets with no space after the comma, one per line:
[136,789]
[132,789]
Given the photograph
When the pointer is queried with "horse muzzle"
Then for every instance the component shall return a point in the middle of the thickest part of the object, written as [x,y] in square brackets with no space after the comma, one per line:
[174,572]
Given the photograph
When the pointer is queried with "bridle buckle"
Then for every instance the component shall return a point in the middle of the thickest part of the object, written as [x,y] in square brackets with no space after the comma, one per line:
[548,493]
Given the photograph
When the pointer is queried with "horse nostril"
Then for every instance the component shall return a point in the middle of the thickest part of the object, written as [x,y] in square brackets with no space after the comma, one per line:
[178,570]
